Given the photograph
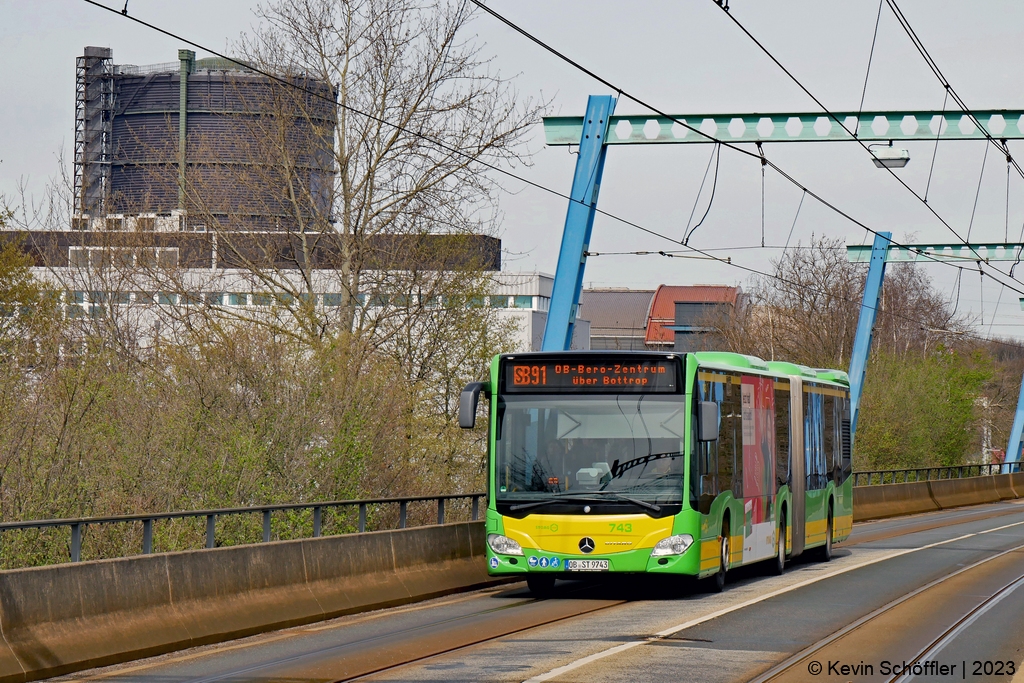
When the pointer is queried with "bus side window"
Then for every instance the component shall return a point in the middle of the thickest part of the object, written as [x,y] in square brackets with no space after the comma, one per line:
[844,436]
[730,439]
[706,454]
[782,441]
[814,455]
[736,408]
[830,445]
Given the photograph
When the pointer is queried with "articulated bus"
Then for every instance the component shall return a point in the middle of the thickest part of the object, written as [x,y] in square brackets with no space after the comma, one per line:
[661,463]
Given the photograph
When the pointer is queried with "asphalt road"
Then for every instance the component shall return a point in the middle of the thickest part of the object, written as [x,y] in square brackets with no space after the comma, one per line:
[944,589]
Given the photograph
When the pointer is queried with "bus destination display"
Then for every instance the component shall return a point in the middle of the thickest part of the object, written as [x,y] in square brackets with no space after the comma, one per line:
[598,374]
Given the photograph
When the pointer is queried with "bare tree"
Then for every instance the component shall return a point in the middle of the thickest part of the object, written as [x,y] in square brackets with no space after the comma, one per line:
[396,149]
[807,311]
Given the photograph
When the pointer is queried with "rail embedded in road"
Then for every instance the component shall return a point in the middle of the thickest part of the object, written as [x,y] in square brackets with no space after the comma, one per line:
[897,651]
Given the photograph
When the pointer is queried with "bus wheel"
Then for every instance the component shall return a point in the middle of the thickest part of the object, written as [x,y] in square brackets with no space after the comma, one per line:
[825,552]
[779,565]
[540,585]
[717,582]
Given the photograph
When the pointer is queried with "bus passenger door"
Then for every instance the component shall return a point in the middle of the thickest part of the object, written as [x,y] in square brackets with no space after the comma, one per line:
[797,473]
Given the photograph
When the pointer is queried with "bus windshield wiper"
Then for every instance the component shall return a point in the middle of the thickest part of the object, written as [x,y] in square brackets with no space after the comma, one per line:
[537,503]
[629,499]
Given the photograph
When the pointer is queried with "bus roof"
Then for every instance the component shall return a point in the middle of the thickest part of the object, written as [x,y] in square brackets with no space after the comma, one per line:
[744,362]
[722,359]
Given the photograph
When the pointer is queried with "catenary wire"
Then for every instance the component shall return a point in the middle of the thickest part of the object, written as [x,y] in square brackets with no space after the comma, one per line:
[933,65]
[637,226]
[696,200]
[1006,219]
[977,193]
[1002,145]
[799,206]
[762,191]
[842,125]
[935,150]
[871,54]
[959,279]
[714,186]
[711,138]
[995,311]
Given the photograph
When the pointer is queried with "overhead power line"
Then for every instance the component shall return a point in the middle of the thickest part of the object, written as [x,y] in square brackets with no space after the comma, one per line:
[934,66]
[842,125]
[733,146]
[530,183]
[871,54]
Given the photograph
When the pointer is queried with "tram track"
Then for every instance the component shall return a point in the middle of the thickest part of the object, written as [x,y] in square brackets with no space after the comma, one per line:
[456,635]
[956,629]
[354,659]
[833,648]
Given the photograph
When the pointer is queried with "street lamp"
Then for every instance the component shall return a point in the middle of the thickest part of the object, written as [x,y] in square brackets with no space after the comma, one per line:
[889,157]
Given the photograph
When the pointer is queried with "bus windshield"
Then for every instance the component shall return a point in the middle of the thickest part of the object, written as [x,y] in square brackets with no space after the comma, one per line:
[558,447]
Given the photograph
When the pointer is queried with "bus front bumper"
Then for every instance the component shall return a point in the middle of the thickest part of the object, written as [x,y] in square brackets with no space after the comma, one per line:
[627,562]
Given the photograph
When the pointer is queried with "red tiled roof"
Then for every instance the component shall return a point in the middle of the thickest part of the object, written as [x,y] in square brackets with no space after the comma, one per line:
[663,306]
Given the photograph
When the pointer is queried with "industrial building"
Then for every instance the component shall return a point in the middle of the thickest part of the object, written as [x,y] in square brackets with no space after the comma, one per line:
[174,146]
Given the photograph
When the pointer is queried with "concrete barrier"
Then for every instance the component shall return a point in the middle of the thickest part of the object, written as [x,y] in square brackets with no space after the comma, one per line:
[951,493]
[892,500]
[65,618]
[1017,484]
[1004,487]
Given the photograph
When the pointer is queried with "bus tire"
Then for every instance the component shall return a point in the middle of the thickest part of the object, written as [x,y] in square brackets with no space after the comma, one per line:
[717,582]
[825,551]
[540,585]
[779,563]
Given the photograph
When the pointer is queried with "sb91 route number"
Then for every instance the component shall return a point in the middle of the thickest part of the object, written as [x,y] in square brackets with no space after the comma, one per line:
[529,375]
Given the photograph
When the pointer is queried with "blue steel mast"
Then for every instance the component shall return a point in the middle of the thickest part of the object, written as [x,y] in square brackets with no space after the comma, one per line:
[1013,448]
[865,325]
[579,222]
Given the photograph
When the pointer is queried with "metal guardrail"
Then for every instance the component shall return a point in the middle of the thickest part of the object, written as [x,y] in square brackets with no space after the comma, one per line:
[78,525]
[875,477]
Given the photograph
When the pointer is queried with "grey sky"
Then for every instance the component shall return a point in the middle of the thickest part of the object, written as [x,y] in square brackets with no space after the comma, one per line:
[686,57]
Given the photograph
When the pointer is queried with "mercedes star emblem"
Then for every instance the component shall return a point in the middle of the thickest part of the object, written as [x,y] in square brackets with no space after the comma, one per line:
[587,544]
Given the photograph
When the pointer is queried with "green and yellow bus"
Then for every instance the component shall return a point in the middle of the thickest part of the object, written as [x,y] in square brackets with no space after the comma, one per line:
[661,463]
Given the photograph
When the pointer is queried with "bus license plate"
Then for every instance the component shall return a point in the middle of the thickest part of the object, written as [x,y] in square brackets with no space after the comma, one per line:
[586,565]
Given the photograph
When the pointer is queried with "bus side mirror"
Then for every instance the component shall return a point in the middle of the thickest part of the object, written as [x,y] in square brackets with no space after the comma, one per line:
[707,421]
[468,400]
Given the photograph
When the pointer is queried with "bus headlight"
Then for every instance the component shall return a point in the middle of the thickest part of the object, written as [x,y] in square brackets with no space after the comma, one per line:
[673,545]
[503,545]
